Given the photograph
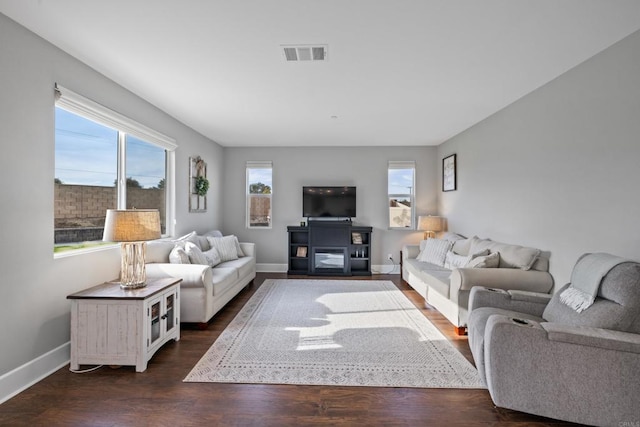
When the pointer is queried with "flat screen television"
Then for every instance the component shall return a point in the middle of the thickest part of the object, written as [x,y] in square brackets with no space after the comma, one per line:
[334,202]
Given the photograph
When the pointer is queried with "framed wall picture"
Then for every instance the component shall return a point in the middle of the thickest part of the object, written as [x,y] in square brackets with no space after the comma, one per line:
[449,177]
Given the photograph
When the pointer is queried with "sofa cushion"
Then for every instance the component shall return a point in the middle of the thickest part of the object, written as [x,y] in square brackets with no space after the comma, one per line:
[244,265]
[190,237]
[195,254]
[511,256]
[435,276]
[178,256]
[212,256]
[223,278]
[238,248]
[463,246]
[452,260]
[486,261]
[226,247]
[435,251]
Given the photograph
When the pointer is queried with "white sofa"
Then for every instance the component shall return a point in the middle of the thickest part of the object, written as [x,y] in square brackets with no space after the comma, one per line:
[204,289]
[447,289]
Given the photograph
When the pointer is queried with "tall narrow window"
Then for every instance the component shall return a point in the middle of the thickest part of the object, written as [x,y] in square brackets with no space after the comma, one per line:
[400,190]
[259,192]
[104,161]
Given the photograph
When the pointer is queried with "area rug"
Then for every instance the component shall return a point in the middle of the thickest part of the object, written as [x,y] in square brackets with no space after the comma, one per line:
[333,332]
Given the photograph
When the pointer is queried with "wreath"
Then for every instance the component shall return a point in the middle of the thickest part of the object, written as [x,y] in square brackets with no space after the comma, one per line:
[201,186]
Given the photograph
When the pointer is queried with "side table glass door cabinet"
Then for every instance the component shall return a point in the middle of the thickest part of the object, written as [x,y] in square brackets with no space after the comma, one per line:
[115,326]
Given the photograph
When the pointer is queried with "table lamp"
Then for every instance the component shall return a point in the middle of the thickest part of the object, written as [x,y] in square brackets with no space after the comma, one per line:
[430,224]
[132,227]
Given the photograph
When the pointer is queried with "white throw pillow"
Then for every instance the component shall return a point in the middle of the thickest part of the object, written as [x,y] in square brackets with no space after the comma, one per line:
[195,254]
[435,251]
[212,256]
[178,256]
[226,247]
[238,248]
[452,260]
[191,237]
[488,261]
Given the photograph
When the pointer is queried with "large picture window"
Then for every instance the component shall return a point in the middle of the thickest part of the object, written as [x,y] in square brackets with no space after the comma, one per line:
[105,161]
[400,190]
[259,193]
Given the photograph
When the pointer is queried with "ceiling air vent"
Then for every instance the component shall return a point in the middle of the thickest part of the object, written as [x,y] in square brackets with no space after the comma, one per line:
[305,52]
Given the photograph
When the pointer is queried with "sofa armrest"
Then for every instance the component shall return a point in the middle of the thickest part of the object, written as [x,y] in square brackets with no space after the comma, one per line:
[410,251]
[532,303]
[249,249]
[463,279]
[192,275]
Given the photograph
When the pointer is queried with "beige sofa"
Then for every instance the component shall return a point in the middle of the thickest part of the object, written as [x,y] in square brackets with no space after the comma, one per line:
[204,289]
[447,289]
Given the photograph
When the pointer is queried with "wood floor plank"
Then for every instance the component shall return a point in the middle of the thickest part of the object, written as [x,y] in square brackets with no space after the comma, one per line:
[158,397]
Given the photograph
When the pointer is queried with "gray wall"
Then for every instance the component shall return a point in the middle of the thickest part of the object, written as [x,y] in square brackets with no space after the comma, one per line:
[363,167]
[35,311]
[558,169]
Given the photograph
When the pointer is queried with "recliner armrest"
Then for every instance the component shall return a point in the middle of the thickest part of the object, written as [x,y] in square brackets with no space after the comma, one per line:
[594,337]
[532,303]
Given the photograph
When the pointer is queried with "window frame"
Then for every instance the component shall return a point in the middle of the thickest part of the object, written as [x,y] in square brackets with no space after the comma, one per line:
[257,165]
[395,164]
[74,103]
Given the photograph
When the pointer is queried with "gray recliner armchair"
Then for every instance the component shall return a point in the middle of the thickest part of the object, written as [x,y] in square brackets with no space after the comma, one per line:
[550,356]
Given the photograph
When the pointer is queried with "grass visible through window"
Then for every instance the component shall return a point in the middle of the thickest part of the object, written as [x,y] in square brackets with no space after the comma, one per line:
[77,246]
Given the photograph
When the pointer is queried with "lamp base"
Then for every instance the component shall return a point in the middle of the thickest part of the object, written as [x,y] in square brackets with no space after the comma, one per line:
[133,273]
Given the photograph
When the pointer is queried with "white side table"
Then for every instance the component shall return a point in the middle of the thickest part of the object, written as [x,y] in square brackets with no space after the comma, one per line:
[114,326]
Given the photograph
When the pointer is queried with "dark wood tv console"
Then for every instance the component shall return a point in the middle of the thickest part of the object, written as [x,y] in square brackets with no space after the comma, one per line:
[336,248]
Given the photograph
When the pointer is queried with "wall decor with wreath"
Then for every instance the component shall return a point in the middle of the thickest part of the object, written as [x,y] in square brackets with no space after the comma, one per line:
[198,185]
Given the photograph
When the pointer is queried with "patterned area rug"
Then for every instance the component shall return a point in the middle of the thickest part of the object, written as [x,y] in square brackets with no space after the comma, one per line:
[329,332]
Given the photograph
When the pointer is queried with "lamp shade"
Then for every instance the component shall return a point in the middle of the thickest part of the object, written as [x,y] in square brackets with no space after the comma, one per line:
[430,223]
[131,225]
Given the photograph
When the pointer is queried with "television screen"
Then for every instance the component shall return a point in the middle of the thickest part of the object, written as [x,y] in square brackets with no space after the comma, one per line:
[329,202]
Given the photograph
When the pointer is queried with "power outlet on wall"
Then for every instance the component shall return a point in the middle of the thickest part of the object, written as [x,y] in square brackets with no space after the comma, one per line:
[390,257]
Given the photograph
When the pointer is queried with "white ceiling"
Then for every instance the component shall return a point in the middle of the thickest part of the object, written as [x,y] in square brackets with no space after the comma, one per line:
[399,72]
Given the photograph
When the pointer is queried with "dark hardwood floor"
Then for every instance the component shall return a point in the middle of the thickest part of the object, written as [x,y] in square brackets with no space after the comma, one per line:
[158,397]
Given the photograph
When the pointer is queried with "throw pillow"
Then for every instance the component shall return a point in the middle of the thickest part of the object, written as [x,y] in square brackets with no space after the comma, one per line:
[212,256]
[226,247]
[238,248]
[195,254]
[213,233]
[435,251]
[178,256]
[191,237]
[488,261]
[452,260]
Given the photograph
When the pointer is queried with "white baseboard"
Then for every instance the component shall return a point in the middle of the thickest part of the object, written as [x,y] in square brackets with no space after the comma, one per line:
[23,377]
[385,269]
[271,268]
